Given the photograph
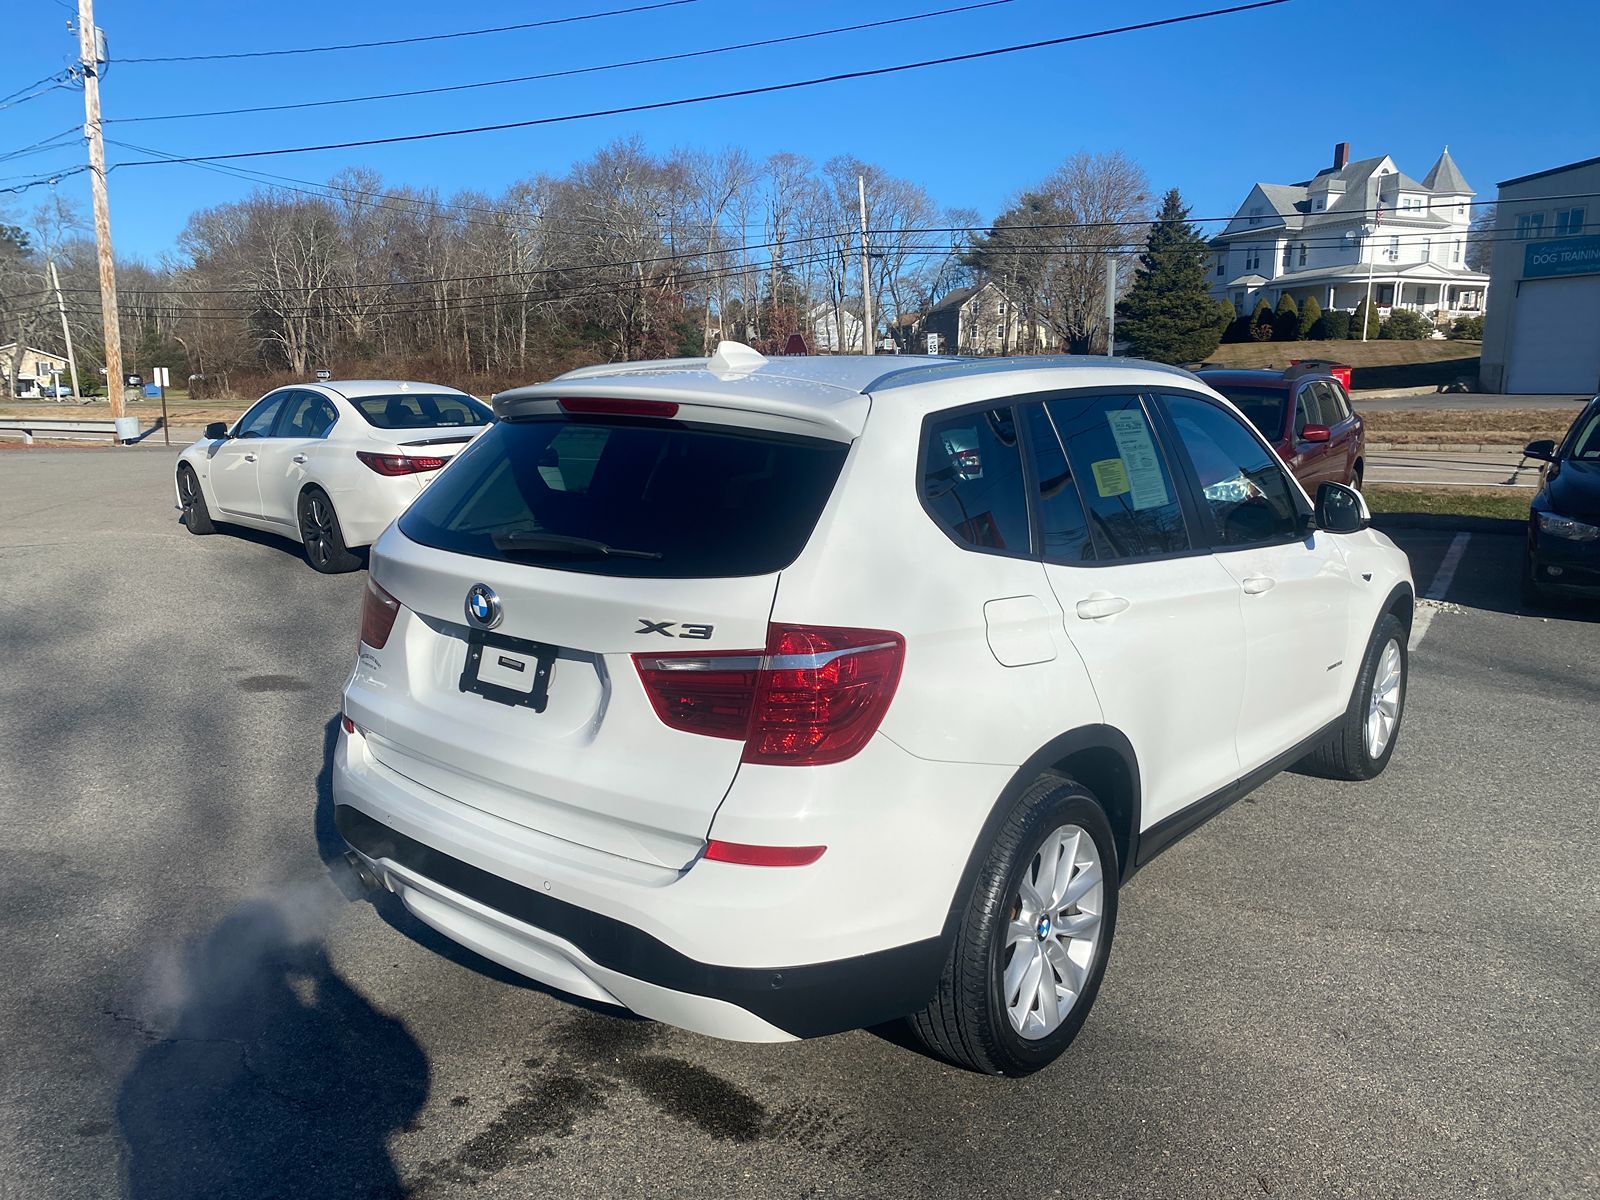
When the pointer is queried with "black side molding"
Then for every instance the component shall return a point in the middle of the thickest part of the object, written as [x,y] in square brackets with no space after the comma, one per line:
[810,1000]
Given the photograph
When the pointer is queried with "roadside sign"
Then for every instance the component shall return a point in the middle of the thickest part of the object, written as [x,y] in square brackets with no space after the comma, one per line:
[933,343]
[796,344]
[324,375]
[161,377]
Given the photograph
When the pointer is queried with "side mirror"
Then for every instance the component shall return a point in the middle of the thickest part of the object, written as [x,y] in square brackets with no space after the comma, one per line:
[216,431]
[1315,433]
[1341,509]
[1544,450]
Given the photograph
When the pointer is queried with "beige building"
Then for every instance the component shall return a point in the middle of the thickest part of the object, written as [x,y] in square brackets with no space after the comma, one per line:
[980,320]
[38,369]
[1541,334]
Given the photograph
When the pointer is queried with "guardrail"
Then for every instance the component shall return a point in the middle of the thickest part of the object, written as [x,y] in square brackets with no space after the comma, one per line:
[124,430]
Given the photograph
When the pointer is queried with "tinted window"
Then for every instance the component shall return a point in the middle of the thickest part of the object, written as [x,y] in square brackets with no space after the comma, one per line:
[257,423]
[1305,410]
[972,480]
[1244,487]
[307,415]
[667,501]
[421,410]
[1133,505]
[1336,403]
[1063,527]
[1263,407]
[1586,436]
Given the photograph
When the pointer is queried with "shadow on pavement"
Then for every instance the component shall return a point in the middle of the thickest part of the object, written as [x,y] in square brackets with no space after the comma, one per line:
[277,542]
[1488,572]
[277,1078]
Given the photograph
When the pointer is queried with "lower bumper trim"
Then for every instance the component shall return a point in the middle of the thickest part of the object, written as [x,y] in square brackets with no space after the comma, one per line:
[809,1000]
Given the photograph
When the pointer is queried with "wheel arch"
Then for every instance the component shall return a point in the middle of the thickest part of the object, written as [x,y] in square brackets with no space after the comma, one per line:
[1402,602]
[1101,758]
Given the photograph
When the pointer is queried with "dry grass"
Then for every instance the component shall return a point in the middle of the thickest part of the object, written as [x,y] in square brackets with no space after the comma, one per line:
[1508,503]
[1503,426]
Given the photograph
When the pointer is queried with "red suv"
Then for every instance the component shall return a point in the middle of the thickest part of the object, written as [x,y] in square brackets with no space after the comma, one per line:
[1307,417]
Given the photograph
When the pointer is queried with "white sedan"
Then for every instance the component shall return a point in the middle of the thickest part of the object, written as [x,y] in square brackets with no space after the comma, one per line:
[328,464]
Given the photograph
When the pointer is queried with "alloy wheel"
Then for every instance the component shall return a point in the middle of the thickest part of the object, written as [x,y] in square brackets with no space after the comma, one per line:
[1052,932]
[316,528]
[1383,705]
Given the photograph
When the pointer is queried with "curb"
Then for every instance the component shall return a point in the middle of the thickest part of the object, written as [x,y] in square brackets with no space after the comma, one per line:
[1444,447]
[1449,521]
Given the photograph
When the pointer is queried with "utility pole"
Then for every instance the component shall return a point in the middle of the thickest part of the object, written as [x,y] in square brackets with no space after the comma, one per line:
[866,273]
[89,43]
[66,332]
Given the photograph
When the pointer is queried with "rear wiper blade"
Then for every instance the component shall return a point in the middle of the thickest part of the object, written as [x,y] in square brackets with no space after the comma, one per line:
[562,543]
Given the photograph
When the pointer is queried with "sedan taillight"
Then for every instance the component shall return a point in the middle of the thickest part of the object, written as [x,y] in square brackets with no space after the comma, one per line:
[378,611]
[815,695]
[400,464]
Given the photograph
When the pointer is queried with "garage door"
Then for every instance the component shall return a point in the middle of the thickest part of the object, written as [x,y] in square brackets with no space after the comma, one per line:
[1555,336]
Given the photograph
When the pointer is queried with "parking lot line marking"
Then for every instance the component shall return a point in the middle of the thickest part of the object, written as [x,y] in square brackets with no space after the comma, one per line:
[1419,626]
[1446,574]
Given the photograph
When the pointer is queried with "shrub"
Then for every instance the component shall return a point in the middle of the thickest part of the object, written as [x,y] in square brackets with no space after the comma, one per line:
[1335,325]
[1365,315]
[1310,317]
[1261,322]
[1286,320]
[1227,314]
[1467,329]
[1404,325]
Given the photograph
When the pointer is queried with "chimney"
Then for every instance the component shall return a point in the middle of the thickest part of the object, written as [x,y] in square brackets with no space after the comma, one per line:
[1341,156]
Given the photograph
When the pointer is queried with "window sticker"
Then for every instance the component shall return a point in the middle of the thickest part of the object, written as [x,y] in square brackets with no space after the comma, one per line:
[1110,477]
[1139,459]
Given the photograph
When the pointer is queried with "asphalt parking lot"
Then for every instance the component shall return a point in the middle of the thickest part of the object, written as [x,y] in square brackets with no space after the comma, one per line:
[1390,989]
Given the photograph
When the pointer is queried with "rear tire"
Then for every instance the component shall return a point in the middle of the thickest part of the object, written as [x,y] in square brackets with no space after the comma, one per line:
[196,516]
[321,535]
[1355,476]
[1028,955]
[1364,742]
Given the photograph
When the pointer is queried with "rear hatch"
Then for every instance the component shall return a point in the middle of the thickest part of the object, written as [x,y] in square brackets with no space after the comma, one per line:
[594,538]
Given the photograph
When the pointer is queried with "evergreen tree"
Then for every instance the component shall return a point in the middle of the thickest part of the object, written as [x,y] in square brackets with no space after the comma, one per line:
[1310,318]
[1261,322]
[1168,314]
[1227,314]
[1365,315]
[1286,319]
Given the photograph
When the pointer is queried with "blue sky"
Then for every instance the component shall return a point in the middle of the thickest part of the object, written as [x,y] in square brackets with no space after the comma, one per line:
[1209,106]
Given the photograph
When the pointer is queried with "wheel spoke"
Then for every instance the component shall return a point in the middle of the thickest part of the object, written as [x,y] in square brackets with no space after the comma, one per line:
[1077,925]
[1065,863]
[1087,879]
[1064,967]
[1020,932]
[1022,976]
[1048,999]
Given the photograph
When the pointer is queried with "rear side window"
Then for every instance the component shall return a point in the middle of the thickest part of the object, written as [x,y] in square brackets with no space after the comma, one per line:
[307,415]
[636,499]
[1133,507]
[1063,526]
[420,410]
[972,480]
[1241,482]
[1262,406]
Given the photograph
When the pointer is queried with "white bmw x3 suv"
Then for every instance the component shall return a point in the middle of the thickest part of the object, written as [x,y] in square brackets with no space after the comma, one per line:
[773,698]
[329,464]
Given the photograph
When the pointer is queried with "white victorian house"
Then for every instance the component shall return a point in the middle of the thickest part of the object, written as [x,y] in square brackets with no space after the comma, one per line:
[1353,224]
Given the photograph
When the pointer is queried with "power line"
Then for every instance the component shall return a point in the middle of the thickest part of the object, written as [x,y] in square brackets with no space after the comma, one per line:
[58,80]
[411,41]
[636,62]
[740,93]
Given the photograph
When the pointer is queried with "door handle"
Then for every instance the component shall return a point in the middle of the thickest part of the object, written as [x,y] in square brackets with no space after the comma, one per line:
[1257,584]
[249,458]
[299,458]
[1095,607]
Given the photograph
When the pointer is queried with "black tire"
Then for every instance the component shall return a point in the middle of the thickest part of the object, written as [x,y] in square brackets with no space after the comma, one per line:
[196,516]
[1346,754]
[321,535]
[1534,594]
[966,1023]
[1355,476]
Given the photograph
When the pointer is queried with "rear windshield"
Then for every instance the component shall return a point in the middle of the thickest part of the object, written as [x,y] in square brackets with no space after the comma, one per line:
[421,410]
[1263,407]
[636,498]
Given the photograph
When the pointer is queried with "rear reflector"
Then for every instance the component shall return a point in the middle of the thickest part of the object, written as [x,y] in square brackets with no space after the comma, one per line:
[815,695]
[619,408]
[763,856]
[349,725]
[378,611]
[400,464]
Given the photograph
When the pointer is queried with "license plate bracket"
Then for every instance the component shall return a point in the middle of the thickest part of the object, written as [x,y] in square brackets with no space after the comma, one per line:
[535,655]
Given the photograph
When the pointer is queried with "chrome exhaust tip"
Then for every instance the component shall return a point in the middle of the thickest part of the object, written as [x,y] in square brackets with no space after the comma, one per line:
[363,873]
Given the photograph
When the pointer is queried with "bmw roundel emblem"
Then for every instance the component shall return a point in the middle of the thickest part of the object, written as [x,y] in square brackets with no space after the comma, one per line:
[483,606]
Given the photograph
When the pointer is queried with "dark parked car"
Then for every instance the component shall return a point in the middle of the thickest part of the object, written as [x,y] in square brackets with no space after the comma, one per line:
[1307,417]
[1564,522]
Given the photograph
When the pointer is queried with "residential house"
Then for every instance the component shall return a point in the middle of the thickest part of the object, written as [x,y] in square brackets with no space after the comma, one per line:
[1352,225]
[835,330]
[37,368]
[980,320]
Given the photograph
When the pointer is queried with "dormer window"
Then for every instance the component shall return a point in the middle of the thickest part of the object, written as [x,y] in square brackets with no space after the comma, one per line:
[1255,215]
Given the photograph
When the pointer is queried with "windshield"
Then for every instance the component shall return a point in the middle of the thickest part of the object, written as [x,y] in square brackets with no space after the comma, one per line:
[421,410]
[1586,442]
[1262,406]
[633,498]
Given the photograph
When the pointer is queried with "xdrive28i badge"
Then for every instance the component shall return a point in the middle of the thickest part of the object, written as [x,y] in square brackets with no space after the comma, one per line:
[483,606]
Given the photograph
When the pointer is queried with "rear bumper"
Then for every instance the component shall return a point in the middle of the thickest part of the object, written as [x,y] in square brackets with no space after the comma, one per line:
[601,958]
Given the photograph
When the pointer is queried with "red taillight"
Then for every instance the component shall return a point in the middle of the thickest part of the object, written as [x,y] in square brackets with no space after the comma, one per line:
[619,408]
[400,464]
[378,611]
[762,856]
[349,725]
[815,695]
